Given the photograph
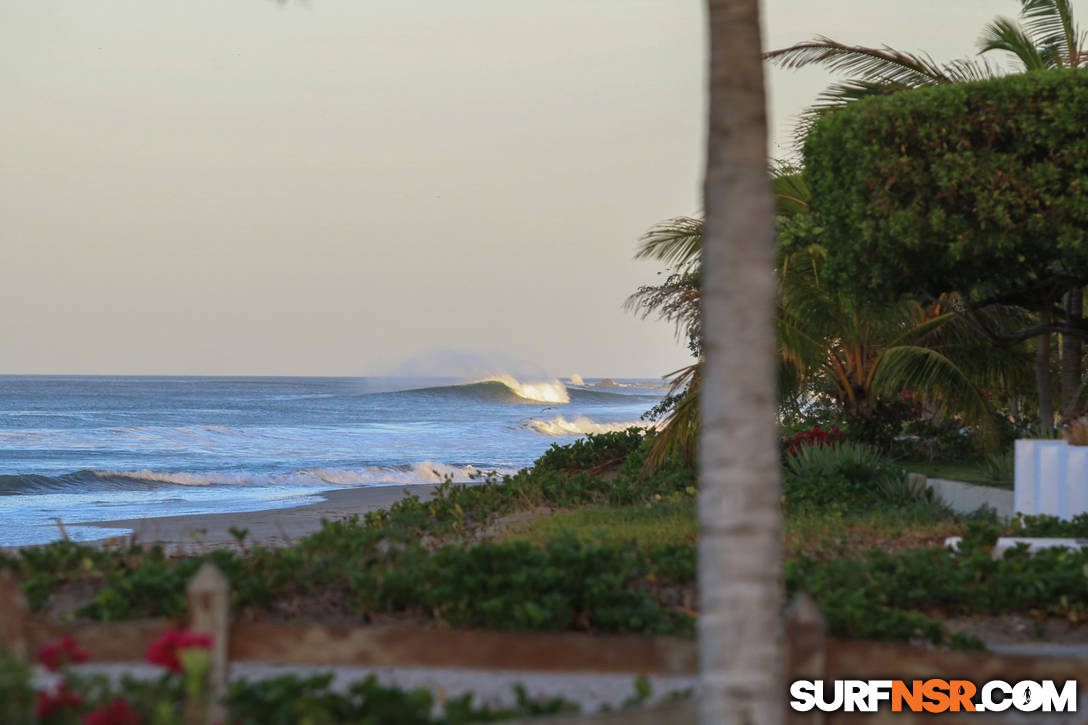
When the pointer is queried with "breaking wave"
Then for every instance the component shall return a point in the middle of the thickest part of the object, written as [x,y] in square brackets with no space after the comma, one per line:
[551,391]
[581,425]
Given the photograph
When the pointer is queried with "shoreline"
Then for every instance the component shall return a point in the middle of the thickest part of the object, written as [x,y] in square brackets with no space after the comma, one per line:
[196,533]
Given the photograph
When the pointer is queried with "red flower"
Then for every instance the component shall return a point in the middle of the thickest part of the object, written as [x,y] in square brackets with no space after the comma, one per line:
[164,650]
[63,652]
[116,713]
[51,702]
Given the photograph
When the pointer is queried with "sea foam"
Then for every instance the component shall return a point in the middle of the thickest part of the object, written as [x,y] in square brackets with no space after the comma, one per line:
[581,425]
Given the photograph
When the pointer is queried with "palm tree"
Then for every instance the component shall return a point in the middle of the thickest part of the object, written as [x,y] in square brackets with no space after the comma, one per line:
[741,641]
[865,354]
[858,354]
[678,242]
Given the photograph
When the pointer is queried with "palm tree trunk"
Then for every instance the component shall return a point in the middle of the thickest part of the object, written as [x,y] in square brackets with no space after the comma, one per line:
[1072,354]
[740,627]
[1042,377]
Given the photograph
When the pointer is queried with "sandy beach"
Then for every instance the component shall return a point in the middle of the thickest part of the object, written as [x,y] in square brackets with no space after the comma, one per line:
[275,527]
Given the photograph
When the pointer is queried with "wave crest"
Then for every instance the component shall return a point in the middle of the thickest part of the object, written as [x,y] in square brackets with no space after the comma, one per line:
[581,425]
[551,391]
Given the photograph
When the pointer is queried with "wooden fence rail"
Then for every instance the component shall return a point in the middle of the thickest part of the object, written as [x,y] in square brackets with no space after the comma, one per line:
[812,654]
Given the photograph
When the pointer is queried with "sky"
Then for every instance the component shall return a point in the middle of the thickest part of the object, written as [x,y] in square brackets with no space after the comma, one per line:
[351,187]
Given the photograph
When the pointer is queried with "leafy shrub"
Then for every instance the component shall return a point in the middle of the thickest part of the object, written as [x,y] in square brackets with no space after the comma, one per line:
[593,450]
[289,699]
[999,467]
[1009,157]
[847,476]
[881,595]
[16,693]
[515,585]
[848,458]
[1052,526]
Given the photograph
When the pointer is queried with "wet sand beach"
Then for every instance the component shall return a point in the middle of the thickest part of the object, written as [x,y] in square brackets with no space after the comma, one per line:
[275,527]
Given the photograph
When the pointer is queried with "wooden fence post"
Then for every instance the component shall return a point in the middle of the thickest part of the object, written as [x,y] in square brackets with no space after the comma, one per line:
[209,613]
[807,640]
[14,634]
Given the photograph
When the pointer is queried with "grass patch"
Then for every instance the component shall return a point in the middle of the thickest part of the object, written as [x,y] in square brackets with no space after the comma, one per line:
[670,521]
[832,533]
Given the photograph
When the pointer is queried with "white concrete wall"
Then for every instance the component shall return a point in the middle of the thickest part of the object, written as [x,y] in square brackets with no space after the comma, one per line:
[966,498]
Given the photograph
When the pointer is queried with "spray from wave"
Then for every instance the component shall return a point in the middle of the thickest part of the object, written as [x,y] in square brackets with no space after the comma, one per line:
[551,391]
[576,379]
[581,425]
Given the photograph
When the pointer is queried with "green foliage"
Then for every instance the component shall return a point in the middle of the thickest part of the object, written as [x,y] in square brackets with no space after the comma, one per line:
[881,595]
[16,694]
[1050,526]
[519,586]
[949,188]
[999,467]
[593,450]
[671,520]
[844,476]
[289,699]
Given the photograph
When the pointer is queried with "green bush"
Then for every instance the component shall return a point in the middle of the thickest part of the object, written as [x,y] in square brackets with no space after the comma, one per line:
[999,467]
[848,477]
[970,186]
[593,450]
[289,700]
[881,595]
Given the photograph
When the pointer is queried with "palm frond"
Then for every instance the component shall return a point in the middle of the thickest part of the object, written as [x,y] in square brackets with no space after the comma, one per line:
[1007,35]
[677,242]
[928,372]
[871,65]
[676,300]
[836,96]
[676,439]
[966,70]
[1050,24]
[791,191]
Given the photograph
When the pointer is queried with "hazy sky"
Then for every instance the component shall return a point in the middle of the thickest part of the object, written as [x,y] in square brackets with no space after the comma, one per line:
[335,187]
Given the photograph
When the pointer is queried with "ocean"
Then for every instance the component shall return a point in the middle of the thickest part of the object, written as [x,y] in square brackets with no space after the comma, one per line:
[83,448]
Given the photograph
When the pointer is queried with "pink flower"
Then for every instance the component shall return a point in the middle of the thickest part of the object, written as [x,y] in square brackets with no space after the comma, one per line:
[63,652]
[164,650]
[51,702]
[117,712]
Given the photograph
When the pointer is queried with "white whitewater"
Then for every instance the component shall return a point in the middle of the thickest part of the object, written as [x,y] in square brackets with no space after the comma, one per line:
[581,425]
[550,391]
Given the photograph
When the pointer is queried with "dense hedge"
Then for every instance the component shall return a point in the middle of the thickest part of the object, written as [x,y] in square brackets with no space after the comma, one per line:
[942,189]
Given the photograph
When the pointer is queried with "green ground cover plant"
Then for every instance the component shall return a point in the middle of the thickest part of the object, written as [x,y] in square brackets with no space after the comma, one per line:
[888,596]
[670,520]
